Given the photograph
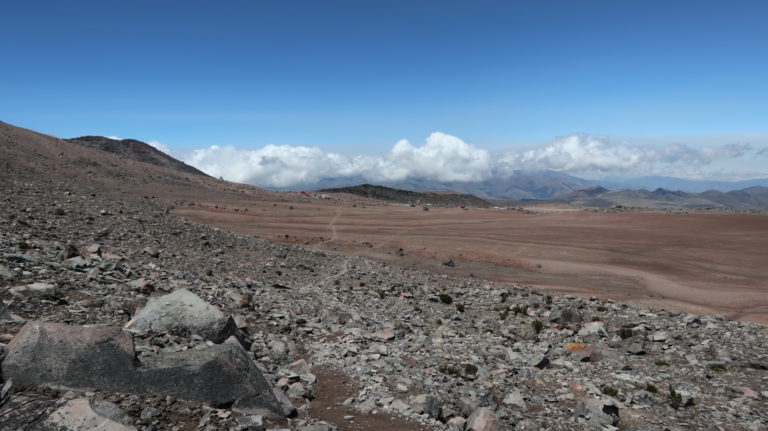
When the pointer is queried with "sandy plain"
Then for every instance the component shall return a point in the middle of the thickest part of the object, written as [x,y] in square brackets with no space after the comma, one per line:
[701,262]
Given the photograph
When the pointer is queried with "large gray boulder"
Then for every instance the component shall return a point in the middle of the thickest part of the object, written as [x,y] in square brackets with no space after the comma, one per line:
[77,357]
[184,313]
[80,357]
[217,375]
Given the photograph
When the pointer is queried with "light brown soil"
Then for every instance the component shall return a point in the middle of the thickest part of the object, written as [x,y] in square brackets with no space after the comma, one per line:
[697,262]
[332,388]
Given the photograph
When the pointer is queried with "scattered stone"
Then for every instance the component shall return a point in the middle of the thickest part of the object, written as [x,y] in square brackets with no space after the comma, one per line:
[250,423]
[385,334]
[636,348]
[599,413]
[538,360]
[747,392]
[296,390]
[6,273]
[150,412]
[567,315]
[515,399]
[426,404]
[585,352]
[483,419]
[151,252]
[33,290]
[593,328]
[456,423]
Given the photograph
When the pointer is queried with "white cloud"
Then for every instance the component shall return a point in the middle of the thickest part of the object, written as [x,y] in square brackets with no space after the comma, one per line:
[444,157]
[115,138]
[159,146]
[587,153]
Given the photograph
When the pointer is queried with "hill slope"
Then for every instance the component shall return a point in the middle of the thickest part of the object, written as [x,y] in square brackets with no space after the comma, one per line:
[29,155]
[410,197]
[135,150]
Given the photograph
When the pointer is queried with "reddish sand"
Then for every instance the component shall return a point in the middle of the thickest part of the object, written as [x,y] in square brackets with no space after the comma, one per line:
[697,262]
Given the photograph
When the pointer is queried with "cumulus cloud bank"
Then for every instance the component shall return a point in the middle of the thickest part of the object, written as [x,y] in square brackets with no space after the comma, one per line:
[444,157]
[581,152]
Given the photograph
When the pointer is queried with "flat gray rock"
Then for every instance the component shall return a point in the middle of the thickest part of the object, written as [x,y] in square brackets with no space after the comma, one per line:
[33,290]
[82,414]
[73,356]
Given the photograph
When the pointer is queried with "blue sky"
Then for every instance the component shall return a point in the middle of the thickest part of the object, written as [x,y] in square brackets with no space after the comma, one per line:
[355,77]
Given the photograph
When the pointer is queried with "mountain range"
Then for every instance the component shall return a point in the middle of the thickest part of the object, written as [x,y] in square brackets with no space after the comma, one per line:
[27,150]
[520,185]
[750,198]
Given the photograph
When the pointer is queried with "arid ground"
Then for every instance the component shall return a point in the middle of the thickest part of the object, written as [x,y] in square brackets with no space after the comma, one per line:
[697,262]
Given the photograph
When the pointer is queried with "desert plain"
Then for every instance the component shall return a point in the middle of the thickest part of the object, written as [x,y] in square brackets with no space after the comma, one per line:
[710,262]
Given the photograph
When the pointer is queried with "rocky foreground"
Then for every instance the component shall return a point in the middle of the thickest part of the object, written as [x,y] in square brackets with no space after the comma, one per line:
[117,315]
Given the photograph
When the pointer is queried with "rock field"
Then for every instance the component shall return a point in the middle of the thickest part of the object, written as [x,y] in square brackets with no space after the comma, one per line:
[117,315]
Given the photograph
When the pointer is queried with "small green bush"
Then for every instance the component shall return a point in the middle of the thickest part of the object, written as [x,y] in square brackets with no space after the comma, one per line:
[651,388]
[445,298]
[448,369]
[602,308]
[610,391]
[661,363]
[717,367]
[625,333]
[675,399]
[537,325]
[305,267]
[460,308]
